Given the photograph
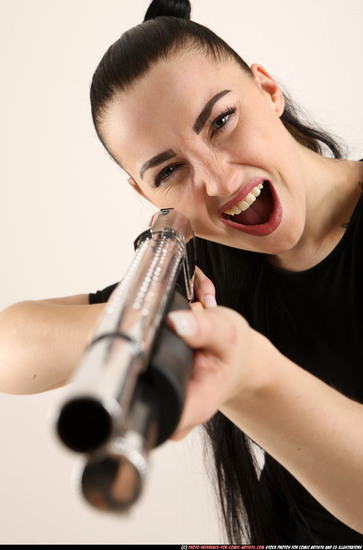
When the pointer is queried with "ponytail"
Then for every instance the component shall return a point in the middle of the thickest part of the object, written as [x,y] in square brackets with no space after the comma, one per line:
[170,8]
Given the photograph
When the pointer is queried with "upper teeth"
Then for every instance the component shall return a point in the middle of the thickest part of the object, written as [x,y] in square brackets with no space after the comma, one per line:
[241,206]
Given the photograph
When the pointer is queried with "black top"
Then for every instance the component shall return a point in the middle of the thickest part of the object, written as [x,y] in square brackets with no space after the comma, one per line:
[326,314]
[325,327]
[102,296]
[325,304]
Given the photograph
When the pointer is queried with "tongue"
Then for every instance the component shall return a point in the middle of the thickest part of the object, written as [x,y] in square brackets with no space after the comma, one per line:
[259,211]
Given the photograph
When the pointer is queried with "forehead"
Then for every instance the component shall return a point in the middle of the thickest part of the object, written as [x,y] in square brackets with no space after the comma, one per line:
[168,97]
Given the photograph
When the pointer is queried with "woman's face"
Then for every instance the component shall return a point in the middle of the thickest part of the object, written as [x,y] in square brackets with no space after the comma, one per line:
[205,137]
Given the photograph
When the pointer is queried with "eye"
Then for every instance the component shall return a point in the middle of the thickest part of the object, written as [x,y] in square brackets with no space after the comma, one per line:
[222,119]
[165,174]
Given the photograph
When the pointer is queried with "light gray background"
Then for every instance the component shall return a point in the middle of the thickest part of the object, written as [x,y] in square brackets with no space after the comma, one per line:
[68,220]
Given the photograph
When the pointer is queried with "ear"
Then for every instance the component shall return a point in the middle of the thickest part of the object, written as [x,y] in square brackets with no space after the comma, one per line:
[270,87]
[133,184]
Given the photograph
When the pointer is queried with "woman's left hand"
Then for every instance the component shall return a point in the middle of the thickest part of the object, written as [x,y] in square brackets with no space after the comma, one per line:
[223,342]
[314,431]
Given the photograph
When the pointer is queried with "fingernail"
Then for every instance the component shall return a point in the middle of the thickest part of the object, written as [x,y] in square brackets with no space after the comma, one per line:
[183,322]
[209,301]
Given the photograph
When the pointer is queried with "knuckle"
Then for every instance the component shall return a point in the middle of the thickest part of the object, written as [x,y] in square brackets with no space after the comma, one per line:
[234,325]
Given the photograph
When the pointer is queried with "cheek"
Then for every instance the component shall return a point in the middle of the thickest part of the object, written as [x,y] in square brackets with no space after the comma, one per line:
[260,125]
[266,146]
[246,138]
[245,146]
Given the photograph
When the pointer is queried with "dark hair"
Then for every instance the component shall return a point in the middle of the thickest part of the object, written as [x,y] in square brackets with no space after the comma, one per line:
[141,47]
[162,36]
[166,31]
[174,8]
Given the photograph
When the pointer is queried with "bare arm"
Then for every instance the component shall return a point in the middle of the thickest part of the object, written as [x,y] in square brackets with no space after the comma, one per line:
[42,342]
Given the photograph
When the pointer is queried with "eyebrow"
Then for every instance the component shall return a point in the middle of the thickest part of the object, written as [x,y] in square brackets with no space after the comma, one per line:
[206,111]
[198,126]
[155,161]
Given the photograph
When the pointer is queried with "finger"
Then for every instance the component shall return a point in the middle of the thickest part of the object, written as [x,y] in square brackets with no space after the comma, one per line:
[153,218]
[204,289]
[216,329]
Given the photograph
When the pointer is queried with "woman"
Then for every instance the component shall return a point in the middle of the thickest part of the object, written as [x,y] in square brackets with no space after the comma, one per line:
[197,129]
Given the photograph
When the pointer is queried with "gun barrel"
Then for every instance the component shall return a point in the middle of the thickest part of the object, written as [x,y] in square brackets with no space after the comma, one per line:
[114,481]
[96,410]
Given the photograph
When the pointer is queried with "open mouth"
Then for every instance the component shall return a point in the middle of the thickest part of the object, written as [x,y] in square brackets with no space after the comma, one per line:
[259,212]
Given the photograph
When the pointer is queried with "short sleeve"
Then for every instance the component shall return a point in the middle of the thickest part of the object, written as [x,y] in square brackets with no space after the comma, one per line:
[102,296]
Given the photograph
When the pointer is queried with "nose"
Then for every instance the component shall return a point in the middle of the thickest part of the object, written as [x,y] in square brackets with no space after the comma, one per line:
[217,177]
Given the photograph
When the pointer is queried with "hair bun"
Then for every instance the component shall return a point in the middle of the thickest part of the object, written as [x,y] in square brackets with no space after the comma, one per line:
[175,8]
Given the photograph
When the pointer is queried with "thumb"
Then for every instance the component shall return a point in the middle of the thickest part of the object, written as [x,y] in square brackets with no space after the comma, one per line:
[215,329]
